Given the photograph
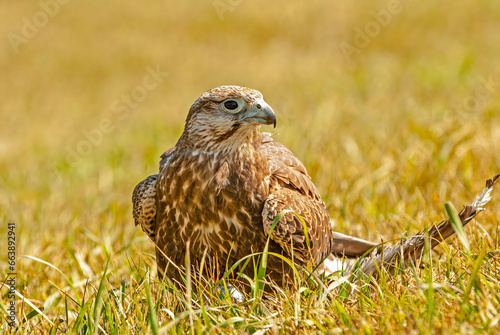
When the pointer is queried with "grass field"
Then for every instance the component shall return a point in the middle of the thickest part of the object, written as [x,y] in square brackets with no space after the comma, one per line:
[393,106]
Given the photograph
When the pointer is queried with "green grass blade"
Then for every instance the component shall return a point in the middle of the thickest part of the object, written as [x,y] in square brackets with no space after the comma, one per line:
[474,273]
[98,300]
[261,273]
[457,225]
[153,322]
[80,317]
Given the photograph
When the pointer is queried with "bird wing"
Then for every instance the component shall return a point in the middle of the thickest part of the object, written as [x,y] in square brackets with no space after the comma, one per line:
[144,205]
[144,199]
[293,191]
[288,169]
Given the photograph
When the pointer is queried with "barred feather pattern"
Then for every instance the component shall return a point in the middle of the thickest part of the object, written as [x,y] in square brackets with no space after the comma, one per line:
[144,205]
[411,250]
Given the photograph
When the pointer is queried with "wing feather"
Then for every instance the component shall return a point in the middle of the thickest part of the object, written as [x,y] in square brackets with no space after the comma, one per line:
[295,193]
[144,205]
[144,199]
[287,168]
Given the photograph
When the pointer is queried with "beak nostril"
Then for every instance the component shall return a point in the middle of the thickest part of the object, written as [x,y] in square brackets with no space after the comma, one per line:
[259,106]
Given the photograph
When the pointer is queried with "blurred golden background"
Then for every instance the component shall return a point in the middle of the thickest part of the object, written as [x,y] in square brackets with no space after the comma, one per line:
[393,106]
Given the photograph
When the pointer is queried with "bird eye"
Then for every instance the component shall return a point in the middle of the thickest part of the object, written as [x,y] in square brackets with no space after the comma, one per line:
[231,104]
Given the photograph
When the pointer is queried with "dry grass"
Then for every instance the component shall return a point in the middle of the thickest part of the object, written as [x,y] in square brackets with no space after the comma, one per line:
[388,137]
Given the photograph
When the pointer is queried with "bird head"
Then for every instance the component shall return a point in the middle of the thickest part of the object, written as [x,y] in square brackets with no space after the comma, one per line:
[224,117]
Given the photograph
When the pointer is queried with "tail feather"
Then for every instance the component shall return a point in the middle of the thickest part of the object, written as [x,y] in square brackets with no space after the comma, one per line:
[408,250]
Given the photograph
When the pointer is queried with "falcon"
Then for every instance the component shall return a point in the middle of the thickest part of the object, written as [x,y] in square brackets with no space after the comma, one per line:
[226,189]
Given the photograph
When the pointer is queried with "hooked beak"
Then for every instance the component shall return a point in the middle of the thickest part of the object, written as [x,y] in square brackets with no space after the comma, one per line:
[260,112]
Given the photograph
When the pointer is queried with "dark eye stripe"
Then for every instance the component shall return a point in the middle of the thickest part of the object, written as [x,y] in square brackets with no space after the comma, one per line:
[229,133]
[231,104]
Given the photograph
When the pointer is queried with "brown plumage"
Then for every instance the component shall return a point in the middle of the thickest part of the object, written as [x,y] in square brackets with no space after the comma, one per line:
[221,187]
